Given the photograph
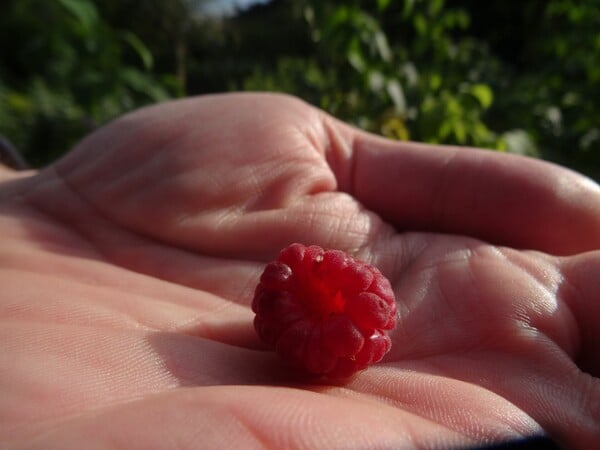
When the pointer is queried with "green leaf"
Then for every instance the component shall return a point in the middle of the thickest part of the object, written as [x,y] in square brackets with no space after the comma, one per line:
[140,82]
[354,55]
[383,4]
[483,94]
[435,6]
[435,81]
[84,11]
[18,102]
[460,131]
[140,48]
[376,80]
[420,24]
[520,142]
[409,6]
[383,47]
[396,93]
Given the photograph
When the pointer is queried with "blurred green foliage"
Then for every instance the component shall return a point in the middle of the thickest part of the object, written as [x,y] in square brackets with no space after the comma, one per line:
[515,77]
[64,71]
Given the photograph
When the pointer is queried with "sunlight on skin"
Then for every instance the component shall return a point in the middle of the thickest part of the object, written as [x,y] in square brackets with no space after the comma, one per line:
[128,268]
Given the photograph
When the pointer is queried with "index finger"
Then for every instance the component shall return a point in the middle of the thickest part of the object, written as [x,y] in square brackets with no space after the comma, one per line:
[501,198]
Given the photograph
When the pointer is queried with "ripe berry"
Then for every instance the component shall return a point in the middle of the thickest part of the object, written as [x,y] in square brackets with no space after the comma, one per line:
[324,311]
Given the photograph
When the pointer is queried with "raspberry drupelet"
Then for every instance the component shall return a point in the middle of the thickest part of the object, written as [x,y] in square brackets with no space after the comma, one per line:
[323,311]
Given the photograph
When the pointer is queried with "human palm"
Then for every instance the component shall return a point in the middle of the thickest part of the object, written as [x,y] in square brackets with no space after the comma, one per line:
[128,267]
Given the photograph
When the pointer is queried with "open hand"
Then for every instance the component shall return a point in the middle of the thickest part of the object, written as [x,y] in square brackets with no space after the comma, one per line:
[127,269]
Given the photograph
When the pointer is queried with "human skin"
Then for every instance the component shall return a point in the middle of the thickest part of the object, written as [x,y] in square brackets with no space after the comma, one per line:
[127,269]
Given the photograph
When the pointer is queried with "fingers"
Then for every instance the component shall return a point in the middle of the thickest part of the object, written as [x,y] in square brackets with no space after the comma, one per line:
[504,199]
[272,154]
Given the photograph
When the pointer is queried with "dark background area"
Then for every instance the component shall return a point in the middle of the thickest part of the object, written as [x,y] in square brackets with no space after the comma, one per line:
[520,77]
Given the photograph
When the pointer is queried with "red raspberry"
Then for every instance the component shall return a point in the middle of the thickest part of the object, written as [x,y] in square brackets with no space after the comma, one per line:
[324,311]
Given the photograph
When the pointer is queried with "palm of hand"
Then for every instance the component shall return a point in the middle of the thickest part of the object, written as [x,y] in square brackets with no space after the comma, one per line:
[132,262]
